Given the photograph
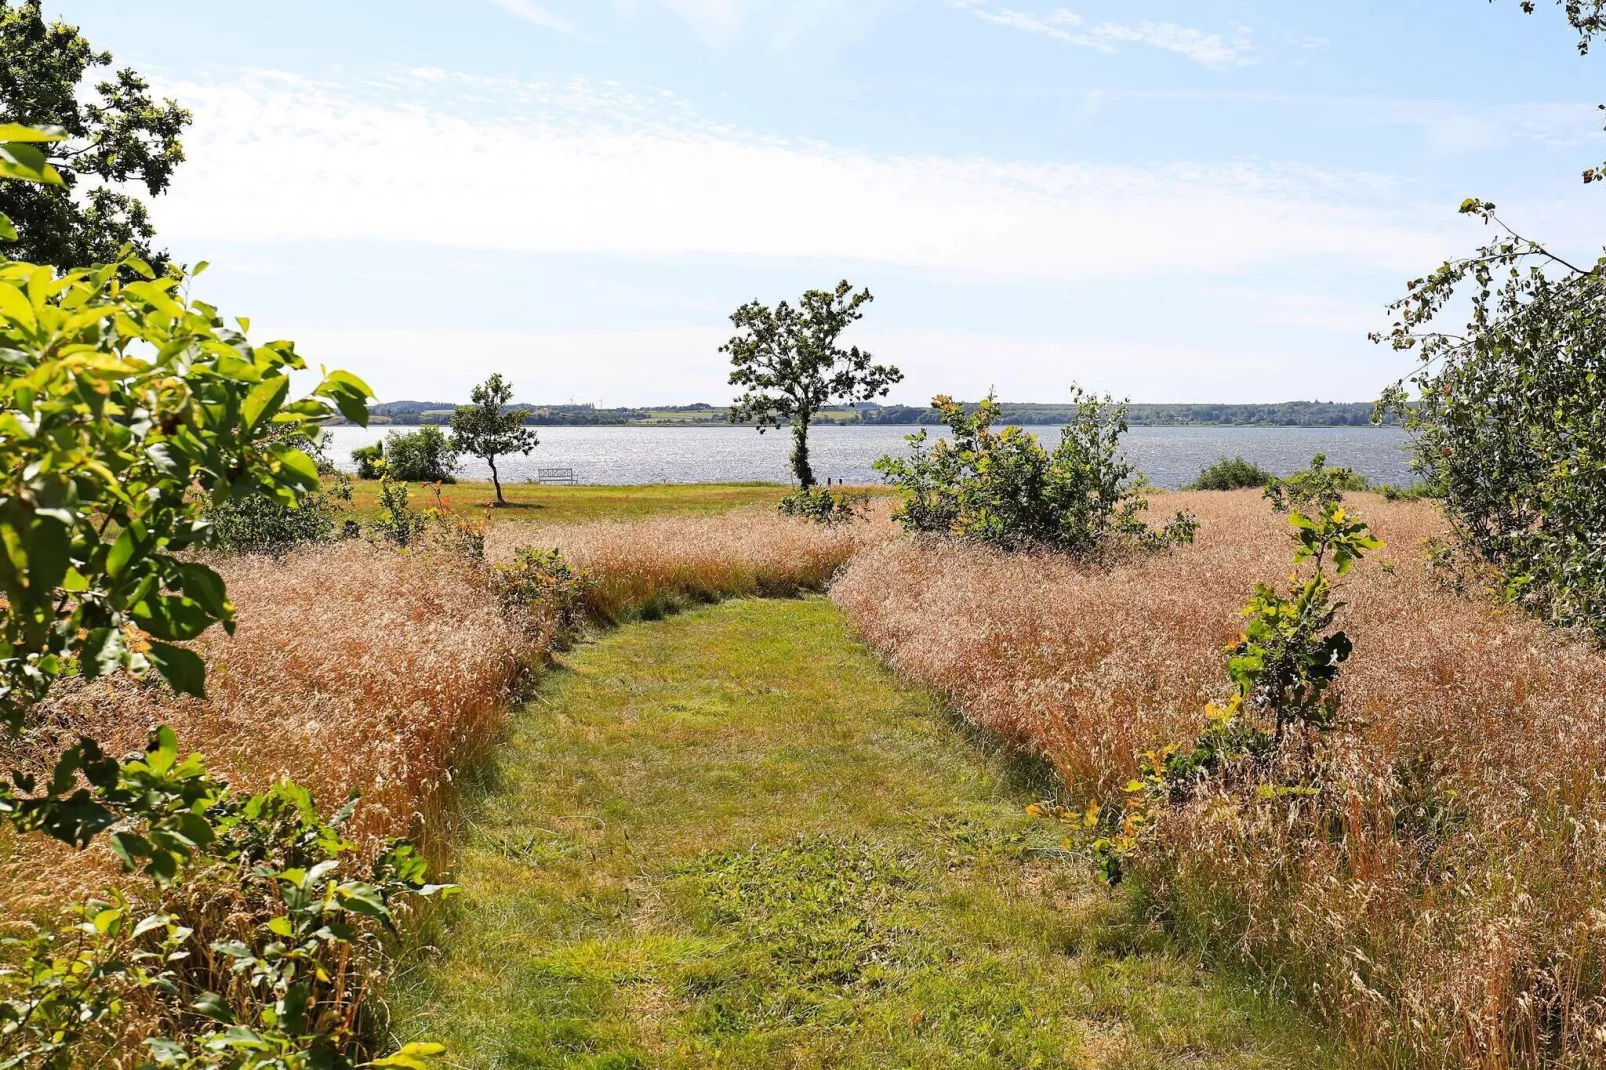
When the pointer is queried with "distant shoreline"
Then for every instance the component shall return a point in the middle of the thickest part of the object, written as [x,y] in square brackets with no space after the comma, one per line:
[1199,414]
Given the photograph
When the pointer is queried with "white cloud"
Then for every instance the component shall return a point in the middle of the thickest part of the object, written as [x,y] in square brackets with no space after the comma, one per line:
[1210,49]
[279,158]
[528,11]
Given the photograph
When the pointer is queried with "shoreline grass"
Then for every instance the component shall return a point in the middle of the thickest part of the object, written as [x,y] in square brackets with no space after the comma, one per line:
[732,839]
[546,503]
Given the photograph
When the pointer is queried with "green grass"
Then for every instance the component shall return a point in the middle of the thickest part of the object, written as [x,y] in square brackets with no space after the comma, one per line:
[564,504]
[732,839]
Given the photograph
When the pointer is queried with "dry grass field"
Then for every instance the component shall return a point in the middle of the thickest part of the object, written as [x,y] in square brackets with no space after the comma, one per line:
[1439,899]
[360,668]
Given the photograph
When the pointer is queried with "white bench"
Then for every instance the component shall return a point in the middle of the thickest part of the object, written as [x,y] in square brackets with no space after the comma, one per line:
[554,475]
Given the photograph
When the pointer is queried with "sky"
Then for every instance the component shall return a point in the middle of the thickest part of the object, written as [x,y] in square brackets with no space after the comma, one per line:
[1176,200]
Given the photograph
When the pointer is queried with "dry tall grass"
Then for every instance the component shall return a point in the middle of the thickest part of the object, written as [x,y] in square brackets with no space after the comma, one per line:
[353,668]
[1441,900]
[357,668]
[649,567]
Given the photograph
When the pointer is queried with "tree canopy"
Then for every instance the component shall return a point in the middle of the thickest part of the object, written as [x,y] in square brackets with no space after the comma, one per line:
[1511,421]
[488,429]
[116,136]
[790,365]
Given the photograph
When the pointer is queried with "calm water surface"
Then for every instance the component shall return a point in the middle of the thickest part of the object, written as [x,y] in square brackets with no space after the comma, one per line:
[1169,456]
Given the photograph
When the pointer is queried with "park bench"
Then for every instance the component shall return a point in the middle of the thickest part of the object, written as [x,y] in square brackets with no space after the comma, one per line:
[554,475]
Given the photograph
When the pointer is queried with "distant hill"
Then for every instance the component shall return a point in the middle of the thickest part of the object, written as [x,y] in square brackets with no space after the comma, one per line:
[1193,414]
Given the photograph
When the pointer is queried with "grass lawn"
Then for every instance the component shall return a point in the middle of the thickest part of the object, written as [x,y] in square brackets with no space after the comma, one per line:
[732,839]
[560,504]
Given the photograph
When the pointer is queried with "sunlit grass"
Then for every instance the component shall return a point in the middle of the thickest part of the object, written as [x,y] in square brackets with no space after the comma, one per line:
[732,839]
[556,504]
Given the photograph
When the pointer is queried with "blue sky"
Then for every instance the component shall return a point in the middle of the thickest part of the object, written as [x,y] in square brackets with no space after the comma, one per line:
[1172,201]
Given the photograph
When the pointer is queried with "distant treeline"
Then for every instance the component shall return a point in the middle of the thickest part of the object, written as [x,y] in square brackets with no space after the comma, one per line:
[1279,414]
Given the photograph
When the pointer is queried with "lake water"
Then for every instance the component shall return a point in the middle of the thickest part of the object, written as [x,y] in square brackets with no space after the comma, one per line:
[1169,456]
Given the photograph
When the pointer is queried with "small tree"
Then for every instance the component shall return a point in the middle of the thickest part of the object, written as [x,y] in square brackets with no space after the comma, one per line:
[791,366]
[485,430]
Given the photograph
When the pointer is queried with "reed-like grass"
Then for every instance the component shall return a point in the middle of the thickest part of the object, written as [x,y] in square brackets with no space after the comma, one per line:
[1441,900]
[646,568]
[357,668]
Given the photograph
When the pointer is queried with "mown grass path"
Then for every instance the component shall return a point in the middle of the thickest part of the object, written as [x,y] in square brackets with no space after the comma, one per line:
[732,839]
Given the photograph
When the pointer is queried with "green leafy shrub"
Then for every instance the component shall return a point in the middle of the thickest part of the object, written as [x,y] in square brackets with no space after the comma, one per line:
[399,524]
[1507,418]
[1282,669]
[1412,492]
[258,524]
[541,586]
[1233,473]
[1006,489]
[126,411]
[426,455]
[822,506]
[370,460]
[1316,490]
[284,990]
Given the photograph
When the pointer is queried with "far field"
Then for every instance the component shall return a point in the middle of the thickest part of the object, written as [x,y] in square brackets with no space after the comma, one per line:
[548,503]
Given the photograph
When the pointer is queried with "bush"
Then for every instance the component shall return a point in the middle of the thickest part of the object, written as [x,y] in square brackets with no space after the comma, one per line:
[1318,489]
[1232,474]
[1007,490]
[823,506]
[423,456]
[370,460]
[541,586]
[259,524]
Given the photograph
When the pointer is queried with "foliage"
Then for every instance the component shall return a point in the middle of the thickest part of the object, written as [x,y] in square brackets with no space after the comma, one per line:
[125,412]
[258,524]
[119,399]
[1510,428]
[285,995]
[1232,474]
[1316,490]
[422,456]
[370,460]
[544,580]
[485,430]
[822,506]
[1511,422]
[1006,489]
[1282,668]
[399,524]
[790,366]
[116,138]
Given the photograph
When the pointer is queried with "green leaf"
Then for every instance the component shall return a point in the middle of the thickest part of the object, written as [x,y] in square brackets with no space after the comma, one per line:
[264,400]
[212,1006]
[350,395]
[8,232]
[161,750]
[415,1056]
[19,132]
[103,652]
[205,587]
[22,161]
[183,669]
[172,617]
[121,553]
[281,927]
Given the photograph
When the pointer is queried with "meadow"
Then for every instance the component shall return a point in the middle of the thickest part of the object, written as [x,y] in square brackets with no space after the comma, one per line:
[1432,902]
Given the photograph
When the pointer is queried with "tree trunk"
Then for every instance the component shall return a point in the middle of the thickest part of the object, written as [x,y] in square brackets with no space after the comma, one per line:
[800,452]
[495,481]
